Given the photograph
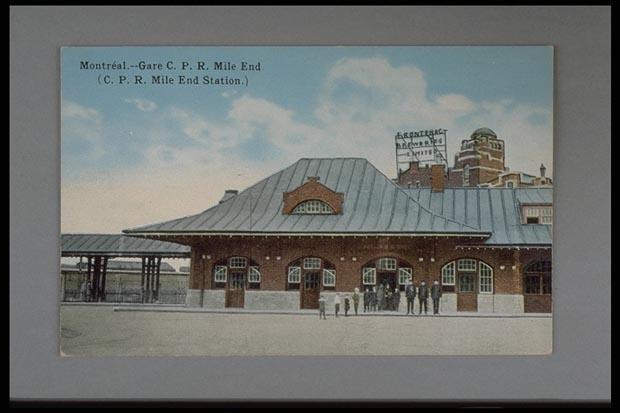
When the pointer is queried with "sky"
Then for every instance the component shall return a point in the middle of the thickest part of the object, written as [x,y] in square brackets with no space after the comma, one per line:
[136,153]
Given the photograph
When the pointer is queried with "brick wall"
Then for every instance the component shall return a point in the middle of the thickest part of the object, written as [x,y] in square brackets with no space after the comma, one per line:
[364,249]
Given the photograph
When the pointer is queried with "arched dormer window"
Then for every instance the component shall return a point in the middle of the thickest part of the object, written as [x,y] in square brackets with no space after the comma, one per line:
[313,206]
[313,198]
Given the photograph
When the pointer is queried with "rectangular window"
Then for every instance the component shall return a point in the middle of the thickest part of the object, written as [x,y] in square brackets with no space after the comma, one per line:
[254,275]
[486,279]
[448,274]
[404,275]
[313,207]
[531,212]
[312,263]
[369,276]
[467,265]
[510,184]
[546,284]
[294,275]
[220,274]
[387,264]
[466,284]
[238,262]
[547,216]
[532,284]
[329,278]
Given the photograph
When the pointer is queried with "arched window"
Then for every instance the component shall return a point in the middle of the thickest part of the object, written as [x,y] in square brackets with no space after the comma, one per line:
[466,175]
[313,206]
[298,269]
[463,272]
[386,270]
[237,270]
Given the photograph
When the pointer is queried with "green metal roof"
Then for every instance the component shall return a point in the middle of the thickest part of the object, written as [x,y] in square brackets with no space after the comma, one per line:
[117,245]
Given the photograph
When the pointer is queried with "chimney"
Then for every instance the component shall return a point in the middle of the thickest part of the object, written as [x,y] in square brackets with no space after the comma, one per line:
[229,193]
[437,178]
[542,170]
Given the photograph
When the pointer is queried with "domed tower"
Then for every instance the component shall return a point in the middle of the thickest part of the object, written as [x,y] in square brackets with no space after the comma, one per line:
[480,160]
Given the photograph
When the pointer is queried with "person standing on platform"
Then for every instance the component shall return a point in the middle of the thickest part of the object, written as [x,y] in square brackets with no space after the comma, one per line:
[366,300]
[337,304]
[322,301]
[347,305]
[356,299]
[410,294]
[423,297]
[388,298]
[436,295]
[373,299]
[396,298]
[380,297]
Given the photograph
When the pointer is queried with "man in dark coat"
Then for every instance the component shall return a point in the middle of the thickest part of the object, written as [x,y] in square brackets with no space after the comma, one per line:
[423,297]
[436,295]
[366,300]
[396,298]
[410,294]
[380,297]
[388,297]
[373,299]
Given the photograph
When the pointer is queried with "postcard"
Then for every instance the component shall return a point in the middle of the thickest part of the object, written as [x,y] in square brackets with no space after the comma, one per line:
[306,201]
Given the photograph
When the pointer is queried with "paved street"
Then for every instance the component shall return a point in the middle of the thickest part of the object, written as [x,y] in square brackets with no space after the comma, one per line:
[99,330]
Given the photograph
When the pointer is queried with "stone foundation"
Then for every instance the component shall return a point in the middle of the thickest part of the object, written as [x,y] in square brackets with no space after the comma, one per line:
[272,300]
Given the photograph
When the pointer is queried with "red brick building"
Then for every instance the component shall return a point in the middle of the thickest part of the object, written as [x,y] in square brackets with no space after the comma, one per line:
[480,162]
[333,225]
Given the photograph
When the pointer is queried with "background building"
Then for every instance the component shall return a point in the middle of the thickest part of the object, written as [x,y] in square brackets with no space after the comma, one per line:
[480,162]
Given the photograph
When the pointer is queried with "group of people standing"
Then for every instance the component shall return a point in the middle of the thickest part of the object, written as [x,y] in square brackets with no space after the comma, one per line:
[385,298]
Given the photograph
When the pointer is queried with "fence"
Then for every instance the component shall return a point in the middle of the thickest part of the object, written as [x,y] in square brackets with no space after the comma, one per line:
[129,296]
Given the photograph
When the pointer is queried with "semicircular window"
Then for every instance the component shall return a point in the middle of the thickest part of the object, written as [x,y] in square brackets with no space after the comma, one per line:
[313,206]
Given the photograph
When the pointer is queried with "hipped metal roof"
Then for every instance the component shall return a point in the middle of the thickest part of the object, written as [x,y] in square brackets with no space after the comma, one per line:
[495,210]
[373,203]
[116,245]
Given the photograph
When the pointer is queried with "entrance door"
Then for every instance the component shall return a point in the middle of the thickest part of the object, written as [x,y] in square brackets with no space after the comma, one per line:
[311,291]
[236,290]
[387,278]
[467,297]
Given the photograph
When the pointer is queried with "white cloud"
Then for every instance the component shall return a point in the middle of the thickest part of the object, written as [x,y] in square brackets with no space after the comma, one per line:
[82,127]
[362,104]
[143,105]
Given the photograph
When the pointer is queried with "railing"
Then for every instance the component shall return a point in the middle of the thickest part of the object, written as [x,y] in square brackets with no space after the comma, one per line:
[129,296]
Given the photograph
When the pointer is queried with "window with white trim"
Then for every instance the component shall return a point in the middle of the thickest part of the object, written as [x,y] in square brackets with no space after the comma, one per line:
[466,175]
[237,262]
[538,215]
[485,280]
[219,276]
[313,206]
[405,275]
[387,264]
[448,276]
[329,278]
[369,276]
[312,263]
[254,275]
[467,265]
[294,275]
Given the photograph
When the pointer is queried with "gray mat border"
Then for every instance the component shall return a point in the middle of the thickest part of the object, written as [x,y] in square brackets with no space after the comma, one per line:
[579,368]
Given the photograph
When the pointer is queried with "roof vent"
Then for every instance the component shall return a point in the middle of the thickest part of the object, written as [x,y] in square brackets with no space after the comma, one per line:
[229,193]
